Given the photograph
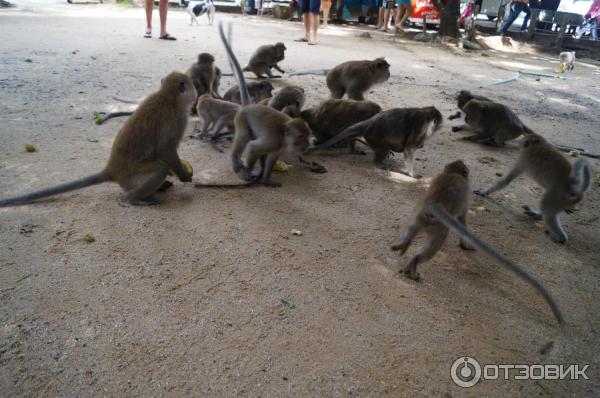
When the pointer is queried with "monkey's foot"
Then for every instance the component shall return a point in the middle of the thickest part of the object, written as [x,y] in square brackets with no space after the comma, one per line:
[558,238]
[402,247]
[165,185]
[149,201]
[358,152]
[454,116]
[480,192]
[571,211]
[410,273]
[533,213]
[271,184]
[457,128]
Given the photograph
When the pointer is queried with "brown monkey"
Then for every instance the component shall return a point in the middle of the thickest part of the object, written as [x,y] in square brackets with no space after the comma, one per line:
[356,77]
[564,184]
[445,206]
[334,115]
[145,149]
[265,58]
[398,129]
[205,76]
[215,112]
[289,95]
[493,123]
[258,91]
[261,132]
[463,97]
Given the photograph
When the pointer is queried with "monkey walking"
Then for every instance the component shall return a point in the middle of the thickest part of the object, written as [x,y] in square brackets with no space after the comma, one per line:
[356,77]
[445,207]
[565,185]
[261,132]
[399,129]
[145,149]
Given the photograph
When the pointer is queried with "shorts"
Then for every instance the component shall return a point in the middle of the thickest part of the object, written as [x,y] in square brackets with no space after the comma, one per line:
[403,2]
[389,4]
[313,6]
[376,3]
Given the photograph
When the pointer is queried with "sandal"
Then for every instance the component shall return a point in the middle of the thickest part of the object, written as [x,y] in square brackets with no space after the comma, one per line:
[148,34]
[302,40]
[312,43]
[167,37]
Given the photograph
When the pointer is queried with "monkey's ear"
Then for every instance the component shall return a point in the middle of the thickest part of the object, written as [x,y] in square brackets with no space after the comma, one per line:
[181,87]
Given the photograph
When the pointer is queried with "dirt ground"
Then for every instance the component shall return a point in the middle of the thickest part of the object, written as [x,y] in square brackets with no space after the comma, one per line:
[185,298]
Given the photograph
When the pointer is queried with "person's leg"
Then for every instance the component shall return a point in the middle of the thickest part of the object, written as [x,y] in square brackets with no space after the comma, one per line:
[326,6]
[594,28]
[307,24]
[583,30]
[527,11]
[514,14]
[149,7]
[380,12]
[162,11]
[314,27]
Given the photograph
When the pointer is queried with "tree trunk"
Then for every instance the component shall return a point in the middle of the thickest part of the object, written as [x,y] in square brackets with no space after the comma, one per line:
[450,14]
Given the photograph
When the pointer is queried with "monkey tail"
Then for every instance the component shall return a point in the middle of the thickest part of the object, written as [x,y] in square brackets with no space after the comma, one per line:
[441,214]
[237,69]
[350,132]
[105,117]
[581,172]
[317,72]
[125,100]
[69,186]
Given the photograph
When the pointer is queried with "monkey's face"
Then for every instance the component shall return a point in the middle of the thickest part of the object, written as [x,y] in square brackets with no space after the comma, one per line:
[381,70]
[187,92]
[296,136]
[265,90]
[280,50]
[532,140]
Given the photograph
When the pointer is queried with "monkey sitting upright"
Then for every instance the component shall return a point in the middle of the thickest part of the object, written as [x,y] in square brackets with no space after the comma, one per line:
[356,77]
[145,149]
[399,129]
[265,58]
[205,76]
[445,206]
[564,184]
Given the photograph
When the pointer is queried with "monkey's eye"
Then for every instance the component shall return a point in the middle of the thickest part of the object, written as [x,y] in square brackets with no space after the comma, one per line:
[182,87]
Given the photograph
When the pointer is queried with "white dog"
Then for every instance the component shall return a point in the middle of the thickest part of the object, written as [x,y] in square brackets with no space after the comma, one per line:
[197,8]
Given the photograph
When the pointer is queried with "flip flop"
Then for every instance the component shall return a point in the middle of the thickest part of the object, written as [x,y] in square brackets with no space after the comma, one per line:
[148,35]
[167,37]
[310,43]
[302,40]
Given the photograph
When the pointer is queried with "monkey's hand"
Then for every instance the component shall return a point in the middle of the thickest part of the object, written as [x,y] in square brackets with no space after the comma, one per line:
[454,116]
[481,192]
[400,247]
[187,177]
[466,246]
[456,128]
[571,210]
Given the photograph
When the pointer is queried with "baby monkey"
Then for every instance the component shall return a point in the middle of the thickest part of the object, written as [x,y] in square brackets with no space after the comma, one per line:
[565,184]
[445,206]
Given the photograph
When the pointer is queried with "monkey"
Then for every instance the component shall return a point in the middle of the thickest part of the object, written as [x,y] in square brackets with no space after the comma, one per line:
[444,207]
[493,123]
[289,95]
[463,97]
[397,129]
[334,115]
[567,60]
[265,58]
[261,132]
[258,92]
[205,75]
[565,184]
[215,112]
[144,150]
[356,77]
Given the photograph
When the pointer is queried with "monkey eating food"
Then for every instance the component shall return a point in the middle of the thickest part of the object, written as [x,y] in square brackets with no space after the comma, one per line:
[145,149]
[445,207]
[565,185]
[398,130]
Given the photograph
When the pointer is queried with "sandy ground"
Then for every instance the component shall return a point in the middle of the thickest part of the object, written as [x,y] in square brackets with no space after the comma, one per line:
[184,298]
